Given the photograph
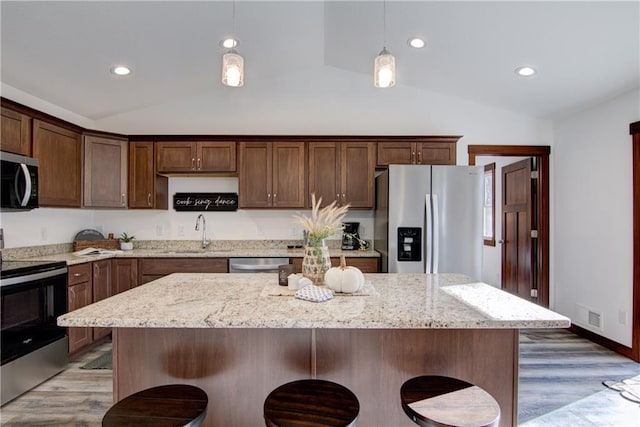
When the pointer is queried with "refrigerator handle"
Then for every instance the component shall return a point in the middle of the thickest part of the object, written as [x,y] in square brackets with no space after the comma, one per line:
[435,233]
[428,235]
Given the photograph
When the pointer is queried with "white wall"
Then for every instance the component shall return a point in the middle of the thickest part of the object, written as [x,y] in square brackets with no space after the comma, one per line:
[592,221]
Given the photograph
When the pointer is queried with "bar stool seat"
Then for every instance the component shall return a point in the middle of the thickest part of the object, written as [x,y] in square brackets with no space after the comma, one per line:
[311,403]
[436,401]
[175,405]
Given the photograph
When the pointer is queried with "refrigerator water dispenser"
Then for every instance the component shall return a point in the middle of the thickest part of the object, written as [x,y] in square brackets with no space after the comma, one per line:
[409,244]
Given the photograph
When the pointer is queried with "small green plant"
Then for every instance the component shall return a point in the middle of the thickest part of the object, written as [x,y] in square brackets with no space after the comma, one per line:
[126,238]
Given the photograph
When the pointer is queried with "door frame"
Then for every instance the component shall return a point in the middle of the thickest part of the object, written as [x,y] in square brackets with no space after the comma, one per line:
[541,153]
[634,130]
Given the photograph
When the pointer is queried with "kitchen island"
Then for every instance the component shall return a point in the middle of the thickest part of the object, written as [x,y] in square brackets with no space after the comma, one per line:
[228,334]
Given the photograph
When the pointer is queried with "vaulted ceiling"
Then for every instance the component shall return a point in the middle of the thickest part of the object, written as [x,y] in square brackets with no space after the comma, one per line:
[61,52]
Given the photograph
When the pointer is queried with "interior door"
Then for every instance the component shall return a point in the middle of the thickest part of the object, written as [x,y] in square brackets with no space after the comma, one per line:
[517,224]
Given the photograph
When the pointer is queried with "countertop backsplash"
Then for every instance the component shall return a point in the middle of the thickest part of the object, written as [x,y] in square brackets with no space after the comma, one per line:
[177,245]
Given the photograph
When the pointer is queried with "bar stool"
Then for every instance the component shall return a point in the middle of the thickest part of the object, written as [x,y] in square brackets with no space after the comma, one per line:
[176,405]
[311,403]
[435,401]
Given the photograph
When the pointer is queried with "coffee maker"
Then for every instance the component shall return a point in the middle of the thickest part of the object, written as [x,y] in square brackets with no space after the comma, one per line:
[350,237]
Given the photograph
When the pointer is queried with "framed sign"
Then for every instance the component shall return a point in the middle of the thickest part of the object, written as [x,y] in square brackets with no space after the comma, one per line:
[210,202]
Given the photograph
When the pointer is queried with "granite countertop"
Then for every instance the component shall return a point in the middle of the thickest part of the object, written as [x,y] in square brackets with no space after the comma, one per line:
[194,300]
[189,249]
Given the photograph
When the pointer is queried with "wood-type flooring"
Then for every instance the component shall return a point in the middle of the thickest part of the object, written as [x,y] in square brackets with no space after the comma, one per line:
[560,384]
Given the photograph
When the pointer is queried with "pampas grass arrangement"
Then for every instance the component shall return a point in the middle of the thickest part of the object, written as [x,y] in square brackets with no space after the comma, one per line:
[324,222]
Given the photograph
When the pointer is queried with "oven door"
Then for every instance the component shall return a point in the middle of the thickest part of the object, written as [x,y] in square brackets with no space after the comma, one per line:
[29,311]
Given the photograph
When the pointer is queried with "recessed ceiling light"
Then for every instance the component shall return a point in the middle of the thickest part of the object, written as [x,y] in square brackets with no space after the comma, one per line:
[525,71]
[229,43]
[416,42]
[121,70]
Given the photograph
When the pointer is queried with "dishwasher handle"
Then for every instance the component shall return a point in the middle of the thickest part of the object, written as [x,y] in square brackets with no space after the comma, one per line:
[254,267]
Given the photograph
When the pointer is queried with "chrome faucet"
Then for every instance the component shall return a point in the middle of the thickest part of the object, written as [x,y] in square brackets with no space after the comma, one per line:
[205,242]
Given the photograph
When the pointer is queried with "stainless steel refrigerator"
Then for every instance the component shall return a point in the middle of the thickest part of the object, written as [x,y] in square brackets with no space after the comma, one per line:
[428,219]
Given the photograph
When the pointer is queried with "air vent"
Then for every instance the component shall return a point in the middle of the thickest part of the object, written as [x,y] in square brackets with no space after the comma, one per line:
[588,317]
[594,319]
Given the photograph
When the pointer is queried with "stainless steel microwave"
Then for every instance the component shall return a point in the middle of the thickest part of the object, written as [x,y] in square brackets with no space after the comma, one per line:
[19,188]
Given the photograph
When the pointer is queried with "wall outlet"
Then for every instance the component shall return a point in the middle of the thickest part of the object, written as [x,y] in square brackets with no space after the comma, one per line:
[622,317]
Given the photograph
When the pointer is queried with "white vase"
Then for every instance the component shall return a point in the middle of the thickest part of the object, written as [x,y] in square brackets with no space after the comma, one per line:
[126,246]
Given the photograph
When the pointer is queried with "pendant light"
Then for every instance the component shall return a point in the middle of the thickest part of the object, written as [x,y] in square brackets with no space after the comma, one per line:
[233,62]
[384,66]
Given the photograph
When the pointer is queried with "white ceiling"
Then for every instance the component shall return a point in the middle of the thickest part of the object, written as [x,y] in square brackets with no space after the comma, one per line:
[61,52]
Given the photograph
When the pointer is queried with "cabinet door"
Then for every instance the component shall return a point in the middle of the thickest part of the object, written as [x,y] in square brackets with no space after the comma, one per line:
[255,174]
[101,290]
[357,170]
[288,175]
[147,190]
[324,172]
[16,132]
[124,274]
[80,294]
[141,175]
[436,153]
[396,153]
[176,156]
[59,153]
[218,156]
[105,172]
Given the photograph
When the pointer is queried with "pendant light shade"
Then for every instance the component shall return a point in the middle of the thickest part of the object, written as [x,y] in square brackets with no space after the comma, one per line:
[232,69]
[384,70]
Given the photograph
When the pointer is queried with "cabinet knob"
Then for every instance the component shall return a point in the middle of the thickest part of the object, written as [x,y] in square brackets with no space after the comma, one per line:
[274,198]
[193,163]
[199,163]
[419,157]
[344,198]
[123,199]
[413,157]
[77,275]
[149,199]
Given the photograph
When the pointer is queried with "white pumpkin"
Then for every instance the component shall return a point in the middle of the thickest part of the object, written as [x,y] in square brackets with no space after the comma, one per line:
[344,279]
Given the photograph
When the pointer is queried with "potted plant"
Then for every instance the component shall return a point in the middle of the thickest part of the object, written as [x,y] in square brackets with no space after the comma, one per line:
[126,242]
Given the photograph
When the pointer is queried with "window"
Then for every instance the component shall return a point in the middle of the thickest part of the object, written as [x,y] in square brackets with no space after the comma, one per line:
[489,220]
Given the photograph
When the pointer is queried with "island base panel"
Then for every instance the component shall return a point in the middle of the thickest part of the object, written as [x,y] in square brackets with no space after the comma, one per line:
[375,363]
[239,367]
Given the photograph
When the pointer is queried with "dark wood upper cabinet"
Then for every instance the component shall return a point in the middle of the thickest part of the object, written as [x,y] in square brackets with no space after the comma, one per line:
[218,156]
[271,174]
[16,132]
[59,153]
[147,189]
[428,151]
[343,171]
[105,172]
[196,156]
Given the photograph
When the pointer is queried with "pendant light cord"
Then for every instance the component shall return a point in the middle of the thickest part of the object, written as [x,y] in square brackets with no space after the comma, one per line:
[384,24]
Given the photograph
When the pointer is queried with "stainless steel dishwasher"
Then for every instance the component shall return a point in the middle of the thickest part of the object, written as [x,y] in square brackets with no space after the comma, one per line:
[256,265]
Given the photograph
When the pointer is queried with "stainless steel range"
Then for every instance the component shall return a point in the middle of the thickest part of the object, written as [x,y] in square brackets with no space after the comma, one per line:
[34,347]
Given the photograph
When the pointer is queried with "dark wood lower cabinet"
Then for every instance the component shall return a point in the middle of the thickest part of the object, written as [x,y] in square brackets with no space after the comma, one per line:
[80,294]
[366,265]
[154,268]
[124,274]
